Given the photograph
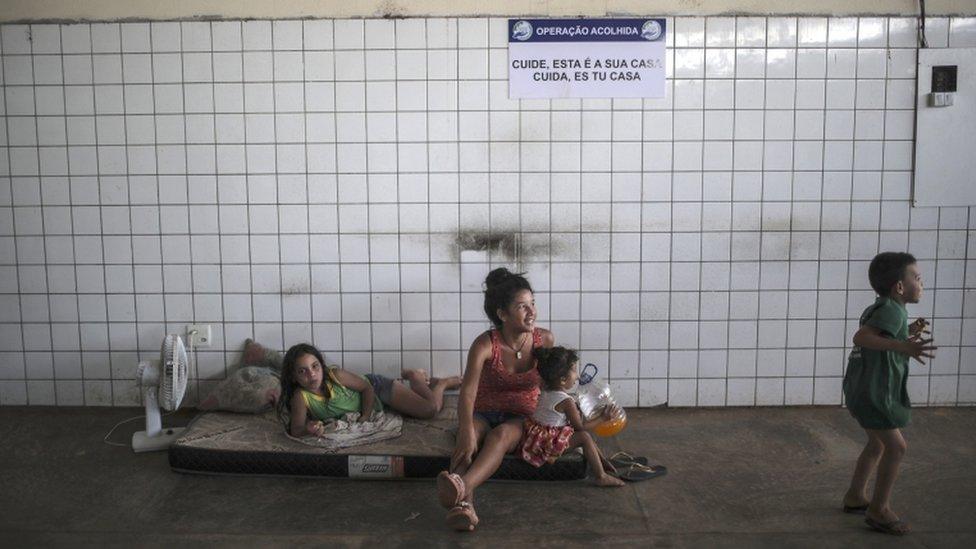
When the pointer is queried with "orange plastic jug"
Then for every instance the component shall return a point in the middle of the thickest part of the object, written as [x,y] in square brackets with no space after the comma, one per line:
[612,427]
[594,395]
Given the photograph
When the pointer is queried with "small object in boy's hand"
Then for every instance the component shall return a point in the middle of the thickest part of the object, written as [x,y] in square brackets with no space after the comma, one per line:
[919,327]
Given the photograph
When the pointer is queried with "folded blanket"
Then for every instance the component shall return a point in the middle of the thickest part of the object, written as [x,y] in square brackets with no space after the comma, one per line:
[346,432]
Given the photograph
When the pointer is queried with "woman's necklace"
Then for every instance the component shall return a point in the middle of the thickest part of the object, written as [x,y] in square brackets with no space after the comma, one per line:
[518,352]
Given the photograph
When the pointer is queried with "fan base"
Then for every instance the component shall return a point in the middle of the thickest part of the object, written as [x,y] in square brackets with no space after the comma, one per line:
[144,443]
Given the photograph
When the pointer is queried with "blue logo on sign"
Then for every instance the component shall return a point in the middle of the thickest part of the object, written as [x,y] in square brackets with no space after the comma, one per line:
[651,30]
[522,30]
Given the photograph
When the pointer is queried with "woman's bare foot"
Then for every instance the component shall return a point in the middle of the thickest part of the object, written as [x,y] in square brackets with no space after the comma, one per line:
[417,375]
[608,481]
[448,383]
[462,517]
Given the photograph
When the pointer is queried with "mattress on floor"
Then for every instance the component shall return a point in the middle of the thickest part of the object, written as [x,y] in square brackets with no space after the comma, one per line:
[245,444]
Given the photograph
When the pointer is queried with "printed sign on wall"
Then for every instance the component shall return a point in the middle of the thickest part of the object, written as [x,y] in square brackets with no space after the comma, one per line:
[585,58]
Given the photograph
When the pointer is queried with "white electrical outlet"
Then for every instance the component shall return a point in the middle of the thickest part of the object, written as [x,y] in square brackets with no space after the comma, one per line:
[198,335]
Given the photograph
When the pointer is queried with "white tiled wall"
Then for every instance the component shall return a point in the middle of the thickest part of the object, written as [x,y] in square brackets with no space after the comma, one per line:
[319,180]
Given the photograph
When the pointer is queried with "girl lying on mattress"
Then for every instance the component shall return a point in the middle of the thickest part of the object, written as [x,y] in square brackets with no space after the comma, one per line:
[314,392]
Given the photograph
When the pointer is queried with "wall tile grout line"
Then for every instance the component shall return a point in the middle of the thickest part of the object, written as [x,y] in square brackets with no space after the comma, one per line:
[277,175]
[762,220]
[428,273]
[193,352]
[366,171]
[823,169]
[962,340]
[217,185]
[698,287]
[44,247]
[4,29]
[789,239]
[74,251]
[396,148]
[335,120]
[101,220]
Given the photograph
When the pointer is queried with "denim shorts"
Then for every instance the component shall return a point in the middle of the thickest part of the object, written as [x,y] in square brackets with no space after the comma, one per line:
[494,419]
[382,385]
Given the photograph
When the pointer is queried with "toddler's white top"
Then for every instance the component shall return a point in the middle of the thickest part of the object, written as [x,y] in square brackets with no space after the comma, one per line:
[545,409]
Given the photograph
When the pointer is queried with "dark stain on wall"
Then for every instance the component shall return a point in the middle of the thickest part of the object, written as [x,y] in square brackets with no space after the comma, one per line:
[536,249]
[503,244]
[295,289]
[512,246]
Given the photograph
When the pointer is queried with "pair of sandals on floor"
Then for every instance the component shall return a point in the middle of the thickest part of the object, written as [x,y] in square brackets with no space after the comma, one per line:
[451,491]
[894,528]
[634,468]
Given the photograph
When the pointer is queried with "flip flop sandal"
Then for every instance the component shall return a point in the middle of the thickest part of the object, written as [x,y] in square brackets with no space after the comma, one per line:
[894,528]
[462,517]
[637,472]
[622,460]
[856,509]
[450,489]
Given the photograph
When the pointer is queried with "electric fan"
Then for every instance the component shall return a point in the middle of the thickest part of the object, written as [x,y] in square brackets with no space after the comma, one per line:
[163,384]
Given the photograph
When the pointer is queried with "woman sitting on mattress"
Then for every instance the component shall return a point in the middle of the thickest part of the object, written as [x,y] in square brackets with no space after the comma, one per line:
[500,387]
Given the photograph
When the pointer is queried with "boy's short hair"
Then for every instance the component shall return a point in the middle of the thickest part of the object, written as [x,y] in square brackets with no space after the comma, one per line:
[886,269]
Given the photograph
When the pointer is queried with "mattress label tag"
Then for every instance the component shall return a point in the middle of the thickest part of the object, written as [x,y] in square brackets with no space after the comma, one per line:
[375,466]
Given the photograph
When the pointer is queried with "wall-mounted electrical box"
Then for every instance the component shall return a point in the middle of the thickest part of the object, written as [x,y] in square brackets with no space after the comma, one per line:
[945,122]
[943,85]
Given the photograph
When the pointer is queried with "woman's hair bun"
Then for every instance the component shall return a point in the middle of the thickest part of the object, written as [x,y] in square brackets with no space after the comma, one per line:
[497,276]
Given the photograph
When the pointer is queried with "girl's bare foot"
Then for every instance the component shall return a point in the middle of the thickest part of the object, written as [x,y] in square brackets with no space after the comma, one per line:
[608,481]
[448,383]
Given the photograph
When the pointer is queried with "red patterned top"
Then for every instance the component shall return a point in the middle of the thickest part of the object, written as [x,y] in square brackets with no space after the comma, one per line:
[502,391]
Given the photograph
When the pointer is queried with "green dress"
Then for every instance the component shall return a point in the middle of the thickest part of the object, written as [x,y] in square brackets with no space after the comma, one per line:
[876,382]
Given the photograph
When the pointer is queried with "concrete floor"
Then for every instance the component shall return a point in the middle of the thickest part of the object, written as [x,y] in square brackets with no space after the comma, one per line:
[767,477]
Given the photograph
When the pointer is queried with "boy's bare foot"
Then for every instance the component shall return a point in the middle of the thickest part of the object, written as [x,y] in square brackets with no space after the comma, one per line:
[885,516]
[608,481]
[887,522]
[853,500]
[452,382]
[417,375]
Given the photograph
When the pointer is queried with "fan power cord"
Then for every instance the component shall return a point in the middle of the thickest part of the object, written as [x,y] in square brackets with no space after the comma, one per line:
[116,426]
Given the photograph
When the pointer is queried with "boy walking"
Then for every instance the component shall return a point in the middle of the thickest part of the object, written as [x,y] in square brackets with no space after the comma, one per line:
[875,384]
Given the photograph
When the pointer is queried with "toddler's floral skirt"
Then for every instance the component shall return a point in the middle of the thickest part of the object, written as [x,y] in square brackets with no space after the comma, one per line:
[543,443]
